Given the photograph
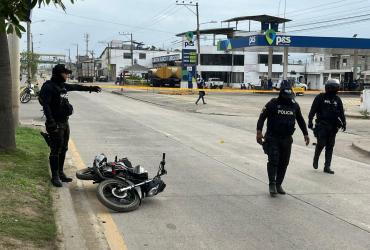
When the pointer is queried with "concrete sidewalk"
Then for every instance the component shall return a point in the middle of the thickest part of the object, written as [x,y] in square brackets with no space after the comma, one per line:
[362,146]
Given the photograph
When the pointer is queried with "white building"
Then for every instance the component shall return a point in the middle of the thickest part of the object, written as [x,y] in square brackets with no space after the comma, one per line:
[118,56]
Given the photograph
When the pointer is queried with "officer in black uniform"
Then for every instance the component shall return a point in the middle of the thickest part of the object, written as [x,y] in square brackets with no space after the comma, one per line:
[328,108]
[202,93]
[281,114]
[57,109]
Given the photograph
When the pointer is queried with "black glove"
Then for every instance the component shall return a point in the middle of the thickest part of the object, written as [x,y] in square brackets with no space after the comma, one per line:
[51,126]
[344,127]
[310,125]
[95,89]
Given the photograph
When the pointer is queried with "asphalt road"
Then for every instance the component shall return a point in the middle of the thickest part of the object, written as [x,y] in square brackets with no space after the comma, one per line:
[216,195]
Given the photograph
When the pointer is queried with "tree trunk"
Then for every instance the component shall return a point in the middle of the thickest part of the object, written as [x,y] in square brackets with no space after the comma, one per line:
[13,43]
[7,130]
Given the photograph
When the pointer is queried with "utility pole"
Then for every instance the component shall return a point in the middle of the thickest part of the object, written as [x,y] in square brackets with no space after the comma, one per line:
[86,36]
[93,59]
[28,52]
[198,40]
[132,51]
[196,13]
[131,45]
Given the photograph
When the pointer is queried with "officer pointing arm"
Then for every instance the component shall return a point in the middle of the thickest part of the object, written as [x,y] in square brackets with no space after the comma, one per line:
[57,110]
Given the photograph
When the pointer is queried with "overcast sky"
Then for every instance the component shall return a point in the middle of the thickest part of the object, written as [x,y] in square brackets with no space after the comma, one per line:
[155,22]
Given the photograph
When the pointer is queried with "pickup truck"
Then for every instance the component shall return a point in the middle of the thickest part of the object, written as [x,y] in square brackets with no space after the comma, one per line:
[214,83]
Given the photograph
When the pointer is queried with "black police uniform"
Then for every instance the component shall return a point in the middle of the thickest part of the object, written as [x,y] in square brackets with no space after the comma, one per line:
[281,116]
[57,110]
[202,93]
[329,112]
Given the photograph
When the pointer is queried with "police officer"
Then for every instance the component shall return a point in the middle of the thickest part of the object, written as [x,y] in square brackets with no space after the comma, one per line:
[202,93]
[281,114]
[328,108]
[57,110]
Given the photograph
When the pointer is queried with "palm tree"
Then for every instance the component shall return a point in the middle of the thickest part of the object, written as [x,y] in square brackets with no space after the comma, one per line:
[12,12]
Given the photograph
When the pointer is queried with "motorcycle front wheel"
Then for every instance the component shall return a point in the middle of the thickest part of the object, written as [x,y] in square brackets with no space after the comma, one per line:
[26,97]
[108,193]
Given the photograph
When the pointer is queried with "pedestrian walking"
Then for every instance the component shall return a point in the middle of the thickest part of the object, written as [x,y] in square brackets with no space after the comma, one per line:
[57,110]
[202,93]
[281,114]
[329,112]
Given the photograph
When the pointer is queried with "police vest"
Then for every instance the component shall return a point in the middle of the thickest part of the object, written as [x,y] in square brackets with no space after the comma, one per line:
[282,120]
[329,110]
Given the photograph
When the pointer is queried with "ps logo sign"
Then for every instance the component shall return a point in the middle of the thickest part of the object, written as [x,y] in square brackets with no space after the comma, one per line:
[189,44]
[252,40]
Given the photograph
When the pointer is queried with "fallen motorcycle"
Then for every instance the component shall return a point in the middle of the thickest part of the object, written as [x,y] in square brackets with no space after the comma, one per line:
[122,186]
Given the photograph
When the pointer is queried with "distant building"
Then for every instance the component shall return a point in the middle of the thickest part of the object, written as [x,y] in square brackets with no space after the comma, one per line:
[118,56]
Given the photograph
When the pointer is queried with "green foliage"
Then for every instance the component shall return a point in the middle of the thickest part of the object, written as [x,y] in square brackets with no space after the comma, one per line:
[25,192]
[33,59]
[13,12]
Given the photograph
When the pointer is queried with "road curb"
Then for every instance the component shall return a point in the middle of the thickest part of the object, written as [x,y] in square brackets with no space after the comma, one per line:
[358,145]
[355,116]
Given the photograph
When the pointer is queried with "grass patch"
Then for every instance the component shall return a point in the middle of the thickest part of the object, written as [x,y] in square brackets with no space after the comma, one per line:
[26,213]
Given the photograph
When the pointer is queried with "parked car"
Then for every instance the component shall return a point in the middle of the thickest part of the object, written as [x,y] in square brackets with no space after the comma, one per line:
[214,83]
[301,85]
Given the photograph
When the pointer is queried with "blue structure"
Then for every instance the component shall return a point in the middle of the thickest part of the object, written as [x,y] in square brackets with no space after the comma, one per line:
[269,39]
[303,43]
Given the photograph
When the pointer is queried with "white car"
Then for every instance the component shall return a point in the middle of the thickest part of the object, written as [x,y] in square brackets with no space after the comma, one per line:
[301,85]
[214,83]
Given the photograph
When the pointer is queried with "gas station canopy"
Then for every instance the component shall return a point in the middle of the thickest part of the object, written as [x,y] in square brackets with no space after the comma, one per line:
[258,18]
[297,44]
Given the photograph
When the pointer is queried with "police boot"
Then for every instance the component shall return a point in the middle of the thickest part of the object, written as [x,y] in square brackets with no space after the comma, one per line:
[62,175]
[53,160]
[272,189]
[280,189]
[328,170]
[315,163]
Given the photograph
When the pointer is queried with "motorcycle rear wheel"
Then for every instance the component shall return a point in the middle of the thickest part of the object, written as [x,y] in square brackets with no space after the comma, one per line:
[26,97]
[109,195]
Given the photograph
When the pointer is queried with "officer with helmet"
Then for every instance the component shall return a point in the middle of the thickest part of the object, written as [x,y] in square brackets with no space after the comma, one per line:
[329,112]
[57,109]
[281,114]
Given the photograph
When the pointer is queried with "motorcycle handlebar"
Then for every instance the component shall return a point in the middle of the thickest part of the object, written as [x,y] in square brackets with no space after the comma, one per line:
[164,157]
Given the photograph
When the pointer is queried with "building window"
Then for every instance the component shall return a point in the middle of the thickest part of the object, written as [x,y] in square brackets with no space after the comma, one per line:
[126,55]
[345,61]
[239,60]
[142,56]
[276,59]
[216,59]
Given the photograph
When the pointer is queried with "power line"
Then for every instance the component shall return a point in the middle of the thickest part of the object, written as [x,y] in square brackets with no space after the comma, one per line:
[157,14]
[329,8]
[329,21]
[315,7]
[164,17]
[334,14]
[164,14]
[332,25]
[107,21]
